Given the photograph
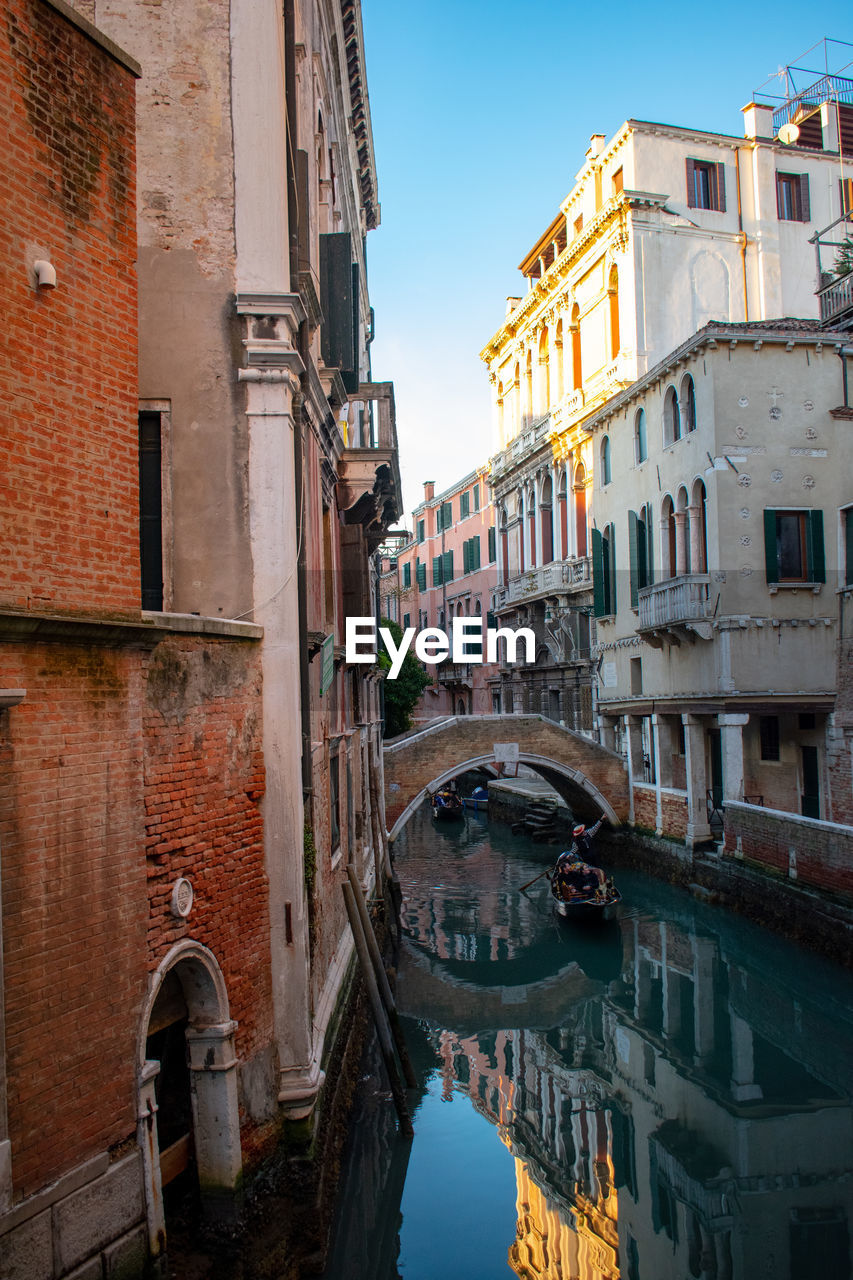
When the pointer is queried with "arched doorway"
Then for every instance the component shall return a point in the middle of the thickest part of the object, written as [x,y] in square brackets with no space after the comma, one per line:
[189,1126]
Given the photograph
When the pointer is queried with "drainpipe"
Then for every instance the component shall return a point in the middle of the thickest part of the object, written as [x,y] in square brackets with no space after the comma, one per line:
[741,234]
[293,215]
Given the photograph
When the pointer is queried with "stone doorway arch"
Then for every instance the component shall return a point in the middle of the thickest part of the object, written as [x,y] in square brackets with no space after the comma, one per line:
[187,999]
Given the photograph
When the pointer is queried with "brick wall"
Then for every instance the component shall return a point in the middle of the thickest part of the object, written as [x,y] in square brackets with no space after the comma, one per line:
[69,534]
[203,781]
[823,851]
[74,903]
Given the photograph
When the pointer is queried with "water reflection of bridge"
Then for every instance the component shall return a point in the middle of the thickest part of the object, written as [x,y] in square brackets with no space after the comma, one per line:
[691,1118]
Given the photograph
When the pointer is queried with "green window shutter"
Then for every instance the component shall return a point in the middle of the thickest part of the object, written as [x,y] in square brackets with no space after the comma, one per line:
[464,505]
[436,571]
[493,545]
[420,574]
[339,304]
[421,531]
[814,546]
[448,566]
[634,556]
[447,516]
[407,622]
[466,557]
[611,546]
[650,564]
[475,551]
[598,586]
[771,554]
[491,621]
[407,575]
[476,497]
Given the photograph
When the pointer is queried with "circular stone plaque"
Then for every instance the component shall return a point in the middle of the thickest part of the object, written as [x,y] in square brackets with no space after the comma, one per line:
[182,898]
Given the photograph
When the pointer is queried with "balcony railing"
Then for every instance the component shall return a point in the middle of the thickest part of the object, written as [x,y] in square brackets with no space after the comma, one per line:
[454,673]
[836,298]
[547,579]
[674,601]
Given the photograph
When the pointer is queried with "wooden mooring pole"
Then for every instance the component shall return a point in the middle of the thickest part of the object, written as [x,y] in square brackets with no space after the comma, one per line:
[379,1016]
[382,980]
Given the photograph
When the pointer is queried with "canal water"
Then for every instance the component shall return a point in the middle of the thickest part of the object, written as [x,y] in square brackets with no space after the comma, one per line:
[667,1096]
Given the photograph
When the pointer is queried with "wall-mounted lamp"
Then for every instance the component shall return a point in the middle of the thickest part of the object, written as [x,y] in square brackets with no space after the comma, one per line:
[45,274]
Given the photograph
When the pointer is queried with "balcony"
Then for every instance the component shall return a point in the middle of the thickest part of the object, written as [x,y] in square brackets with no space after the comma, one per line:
[369,487]
[457,674]
[559,578]
[836,300]
[675,610]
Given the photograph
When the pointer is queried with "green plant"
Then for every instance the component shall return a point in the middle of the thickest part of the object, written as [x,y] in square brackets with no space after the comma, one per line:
[402,694]
[309,858]
[843,264]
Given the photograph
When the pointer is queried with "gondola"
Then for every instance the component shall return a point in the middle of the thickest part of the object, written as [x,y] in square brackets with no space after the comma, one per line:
[584,902]
[478,799]
[446,805]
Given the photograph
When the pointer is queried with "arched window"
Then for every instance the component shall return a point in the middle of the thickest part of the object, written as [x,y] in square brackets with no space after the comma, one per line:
[528,388]
[546,507]
[580,509]
[563,522]
[504,549]
[515,425]
[577,370]
[682,540]
[613,293]
[698,516]
[544,373]
[606,468]
[531,525]
[667,522]
[688,403]
[558,359]
[671,418]
[500,414]
[641,447]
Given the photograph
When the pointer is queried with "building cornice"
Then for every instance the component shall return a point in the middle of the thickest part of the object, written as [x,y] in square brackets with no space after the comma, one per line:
[145,627]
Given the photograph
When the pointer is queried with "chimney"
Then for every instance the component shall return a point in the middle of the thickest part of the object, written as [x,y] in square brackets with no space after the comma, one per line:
[429,490]
[757,120]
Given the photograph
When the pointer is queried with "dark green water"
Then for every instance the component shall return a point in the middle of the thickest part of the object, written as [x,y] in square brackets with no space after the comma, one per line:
[666,1097]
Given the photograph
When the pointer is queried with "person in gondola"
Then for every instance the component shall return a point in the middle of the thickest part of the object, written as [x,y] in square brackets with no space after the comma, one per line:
[582,839]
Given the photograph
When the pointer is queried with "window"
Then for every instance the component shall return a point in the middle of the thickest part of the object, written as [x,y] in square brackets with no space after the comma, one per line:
[639,552]
[671,418]
[845,194]
[606,469]
[334,802]
[471,554]
[407,620]
[768,737]
[688,403]
[476,497]
[421,531]
[407,574]
[493,552]
[792,197]
[706,185]
[641,448]
[150,511]
[420,575]
[793,546]
[447,566]
[464,505]
[443,516]
[636,665]
[618,182]
[603,572]
[437,578]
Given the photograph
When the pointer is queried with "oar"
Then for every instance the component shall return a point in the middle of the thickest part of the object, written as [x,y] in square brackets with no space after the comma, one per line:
[535,878]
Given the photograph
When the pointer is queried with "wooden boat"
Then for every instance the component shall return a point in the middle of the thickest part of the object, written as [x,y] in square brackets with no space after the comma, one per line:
[584,902]
[479,799]
[446,805]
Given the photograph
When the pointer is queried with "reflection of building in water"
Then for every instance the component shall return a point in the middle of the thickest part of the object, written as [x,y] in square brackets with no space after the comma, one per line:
[695,1122]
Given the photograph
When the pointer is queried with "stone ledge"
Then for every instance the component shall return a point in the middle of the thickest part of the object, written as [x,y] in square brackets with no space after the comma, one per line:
[73,1181]
[126,629]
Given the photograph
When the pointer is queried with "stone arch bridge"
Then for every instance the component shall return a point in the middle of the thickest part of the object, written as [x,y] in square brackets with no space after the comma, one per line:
[591,779]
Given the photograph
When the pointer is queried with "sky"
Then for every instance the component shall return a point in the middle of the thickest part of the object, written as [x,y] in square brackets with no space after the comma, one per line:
[482,114]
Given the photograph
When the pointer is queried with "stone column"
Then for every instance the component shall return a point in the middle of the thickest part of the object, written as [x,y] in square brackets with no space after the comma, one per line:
[634,742]
[655,722]
[607,732]
[731,736]
[216,1118]
[680,543]
[696,779]
[694,525]
[671,994]
[744,1088]
[146,1137]
[556,532]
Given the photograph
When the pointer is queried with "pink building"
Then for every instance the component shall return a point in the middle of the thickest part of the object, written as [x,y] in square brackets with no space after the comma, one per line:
[448,571]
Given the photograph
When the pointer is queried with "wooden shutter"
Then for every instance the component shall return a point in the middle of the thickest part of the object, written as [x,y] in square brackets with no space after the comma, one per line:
[436,571]
[634,556]
[816,559]
[447,567]
[464,505]
[805,203]
[780,210]
[420,575]
[691,183]
[447,517]
[771,552]
[475,551]
[466,557]
[721,187]
[337,340]
[421,531]
[611,546]
[598,584]
[493,550]
[407,575]
[476,497]
[650,567]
